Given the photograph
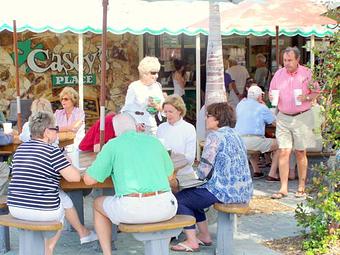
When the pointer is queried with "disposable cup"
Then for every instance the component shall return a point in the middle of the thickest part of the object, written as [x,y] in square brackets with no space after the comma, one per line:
[297,92]
[275,95]
[7,127]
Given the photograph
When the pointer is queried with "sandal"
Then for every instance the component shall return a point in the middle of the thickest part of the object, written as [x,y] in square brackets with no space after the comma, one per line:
[181,247]
[200,242]
[278,195]
[300,193]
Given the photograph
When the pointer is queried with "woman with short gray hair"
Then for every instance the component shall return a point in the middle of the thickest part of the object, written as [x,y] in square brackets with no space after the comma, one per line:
[34,190]
[144,97]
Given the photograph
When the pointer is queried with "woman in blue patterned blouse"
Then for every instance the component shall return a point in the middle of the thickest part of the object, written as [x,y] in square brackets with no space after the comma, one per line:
[224,164]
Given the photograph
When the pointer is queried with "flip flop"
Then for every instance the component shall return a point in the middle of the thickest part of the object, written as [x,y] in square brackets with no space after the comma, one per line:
[181,247]
[278,195]
[299,194]
[200,242]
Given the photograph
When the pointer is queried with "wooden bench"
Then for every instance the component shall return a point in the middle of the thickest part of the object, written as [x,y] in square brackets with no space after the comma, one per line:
[32,234]
[4,231]
[225,226]
[156,236]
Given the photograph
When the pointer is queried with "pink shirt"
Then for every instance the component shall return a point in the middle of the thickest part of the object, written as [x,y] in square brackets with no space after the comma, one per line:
[286,82]
[62,120]
[77,114]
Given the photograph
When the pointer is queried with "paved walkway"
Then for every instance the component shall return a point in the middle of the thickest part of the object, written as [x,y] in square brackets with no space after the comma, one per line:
[252,230]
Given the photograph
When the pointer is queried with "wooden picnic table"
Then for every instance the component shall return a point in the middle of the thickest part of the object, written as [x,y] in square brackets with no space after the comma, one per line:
[65,138]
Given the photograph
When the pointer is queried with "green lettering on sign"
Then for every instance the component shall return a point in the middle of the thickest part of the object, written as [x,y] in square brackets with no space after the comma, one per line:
[71,80]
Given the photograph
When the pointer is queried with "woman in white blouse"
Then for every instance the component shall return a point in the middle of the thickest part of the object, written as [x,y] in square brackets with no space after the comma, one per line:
[179,136]
[144,97]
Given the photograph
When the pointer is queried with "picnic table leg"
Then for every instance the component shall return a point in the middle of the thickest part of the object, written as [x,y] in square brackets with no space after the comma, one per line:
[4,235]
[157,243]
[224,234]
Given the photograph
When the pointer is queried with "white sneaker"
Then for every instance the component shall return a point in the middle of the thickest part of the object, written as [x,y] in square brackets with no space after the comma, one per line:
[89,238]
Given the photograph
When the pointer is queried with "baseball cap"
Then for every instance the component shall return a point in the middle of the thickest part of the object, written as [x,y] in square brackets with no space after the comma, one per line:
[254,92]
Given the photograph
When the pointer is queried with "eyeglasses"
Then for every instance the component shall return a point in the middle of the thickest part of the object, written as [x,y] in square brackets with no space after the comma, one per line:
[54,128]
[210,115]
[153,73]
[64,99]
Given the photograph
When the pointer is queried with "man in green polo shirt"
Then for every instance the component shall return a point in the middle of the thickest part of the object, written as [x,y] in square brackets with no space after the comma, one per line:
[140,168]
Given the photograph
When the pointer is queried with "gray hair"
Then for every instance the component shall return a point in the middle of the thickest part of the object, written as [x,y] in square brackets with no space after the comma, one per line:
[294,49]
[261,57]
[122,123]
[39,121]
[149,64]
[41,105]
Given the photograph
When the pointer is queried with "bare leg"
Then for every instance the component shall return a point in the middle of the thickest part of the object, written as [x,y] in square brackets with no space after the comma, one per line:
[72,217]
[191,239]
[51,243]
[273,168]
[103,226]
[301,159]
[254,159]
[284,169]
[203,232]
[292,165]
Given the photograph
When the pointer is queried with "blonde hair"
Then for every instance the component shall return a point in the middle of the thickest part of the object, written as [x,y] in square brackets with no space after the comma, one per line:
[177,102]
[149,64]
[41,105]
[72,93]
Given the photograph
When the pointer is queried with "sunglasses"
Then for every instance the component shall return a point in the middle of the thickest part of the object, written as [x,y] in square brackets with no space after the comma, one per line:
[54,128]
[64,99]
[153,73]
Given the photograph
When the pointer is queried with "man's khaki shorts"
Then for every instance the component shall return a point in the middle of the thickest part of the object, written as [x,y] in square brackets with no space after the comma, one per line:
[258,143]
[295,132]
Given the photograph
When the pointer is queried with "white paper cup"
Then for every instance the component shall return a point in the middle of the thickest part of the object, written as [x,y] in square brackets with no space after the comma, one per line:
[7,127]
[275,95]
[297,92]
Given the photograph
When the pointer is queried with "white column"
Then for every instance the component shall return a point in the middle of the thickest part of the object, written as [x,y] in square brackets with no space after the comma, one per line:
[198,87]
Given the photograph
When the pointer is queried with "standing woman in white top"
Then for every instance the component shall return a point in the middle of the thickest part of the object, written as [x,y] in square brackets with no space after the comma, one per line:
[144,97]
[179,78]
[178,135]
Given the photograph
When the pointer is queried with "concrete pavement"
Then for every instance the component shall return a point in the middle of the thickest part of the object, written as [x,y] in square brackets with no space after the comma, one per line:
[251,230]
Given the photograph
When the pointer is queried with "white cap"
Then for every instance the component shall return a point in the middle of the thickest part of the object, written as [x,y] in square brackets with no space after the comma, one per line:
[254,92]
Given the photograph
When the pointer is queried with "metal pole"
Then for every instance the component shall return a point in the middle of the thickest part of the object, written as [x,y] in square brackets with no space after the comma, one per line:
[81,71]
[277,47]
[15,47]
[312,56]
[103,74]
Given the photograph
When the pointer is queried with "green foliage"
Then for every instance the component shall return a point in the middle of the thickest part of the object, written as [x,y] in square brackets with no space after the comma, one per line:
[327,74]
[320,216]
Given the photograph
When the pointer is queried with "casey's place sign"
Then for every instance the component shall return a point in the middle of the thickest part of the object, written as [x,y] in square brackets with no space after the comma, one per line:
[65,63]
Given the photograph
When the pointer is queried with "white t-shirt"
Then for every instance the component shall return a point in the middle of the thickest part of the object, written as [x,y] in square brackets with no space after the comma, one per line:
[178,90]
[240,75]
[136,102]
[180,138]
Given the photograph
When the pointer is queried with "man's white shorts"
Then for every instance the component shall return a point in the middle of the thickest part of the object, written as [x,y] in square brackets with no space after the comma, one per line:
[137,210]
